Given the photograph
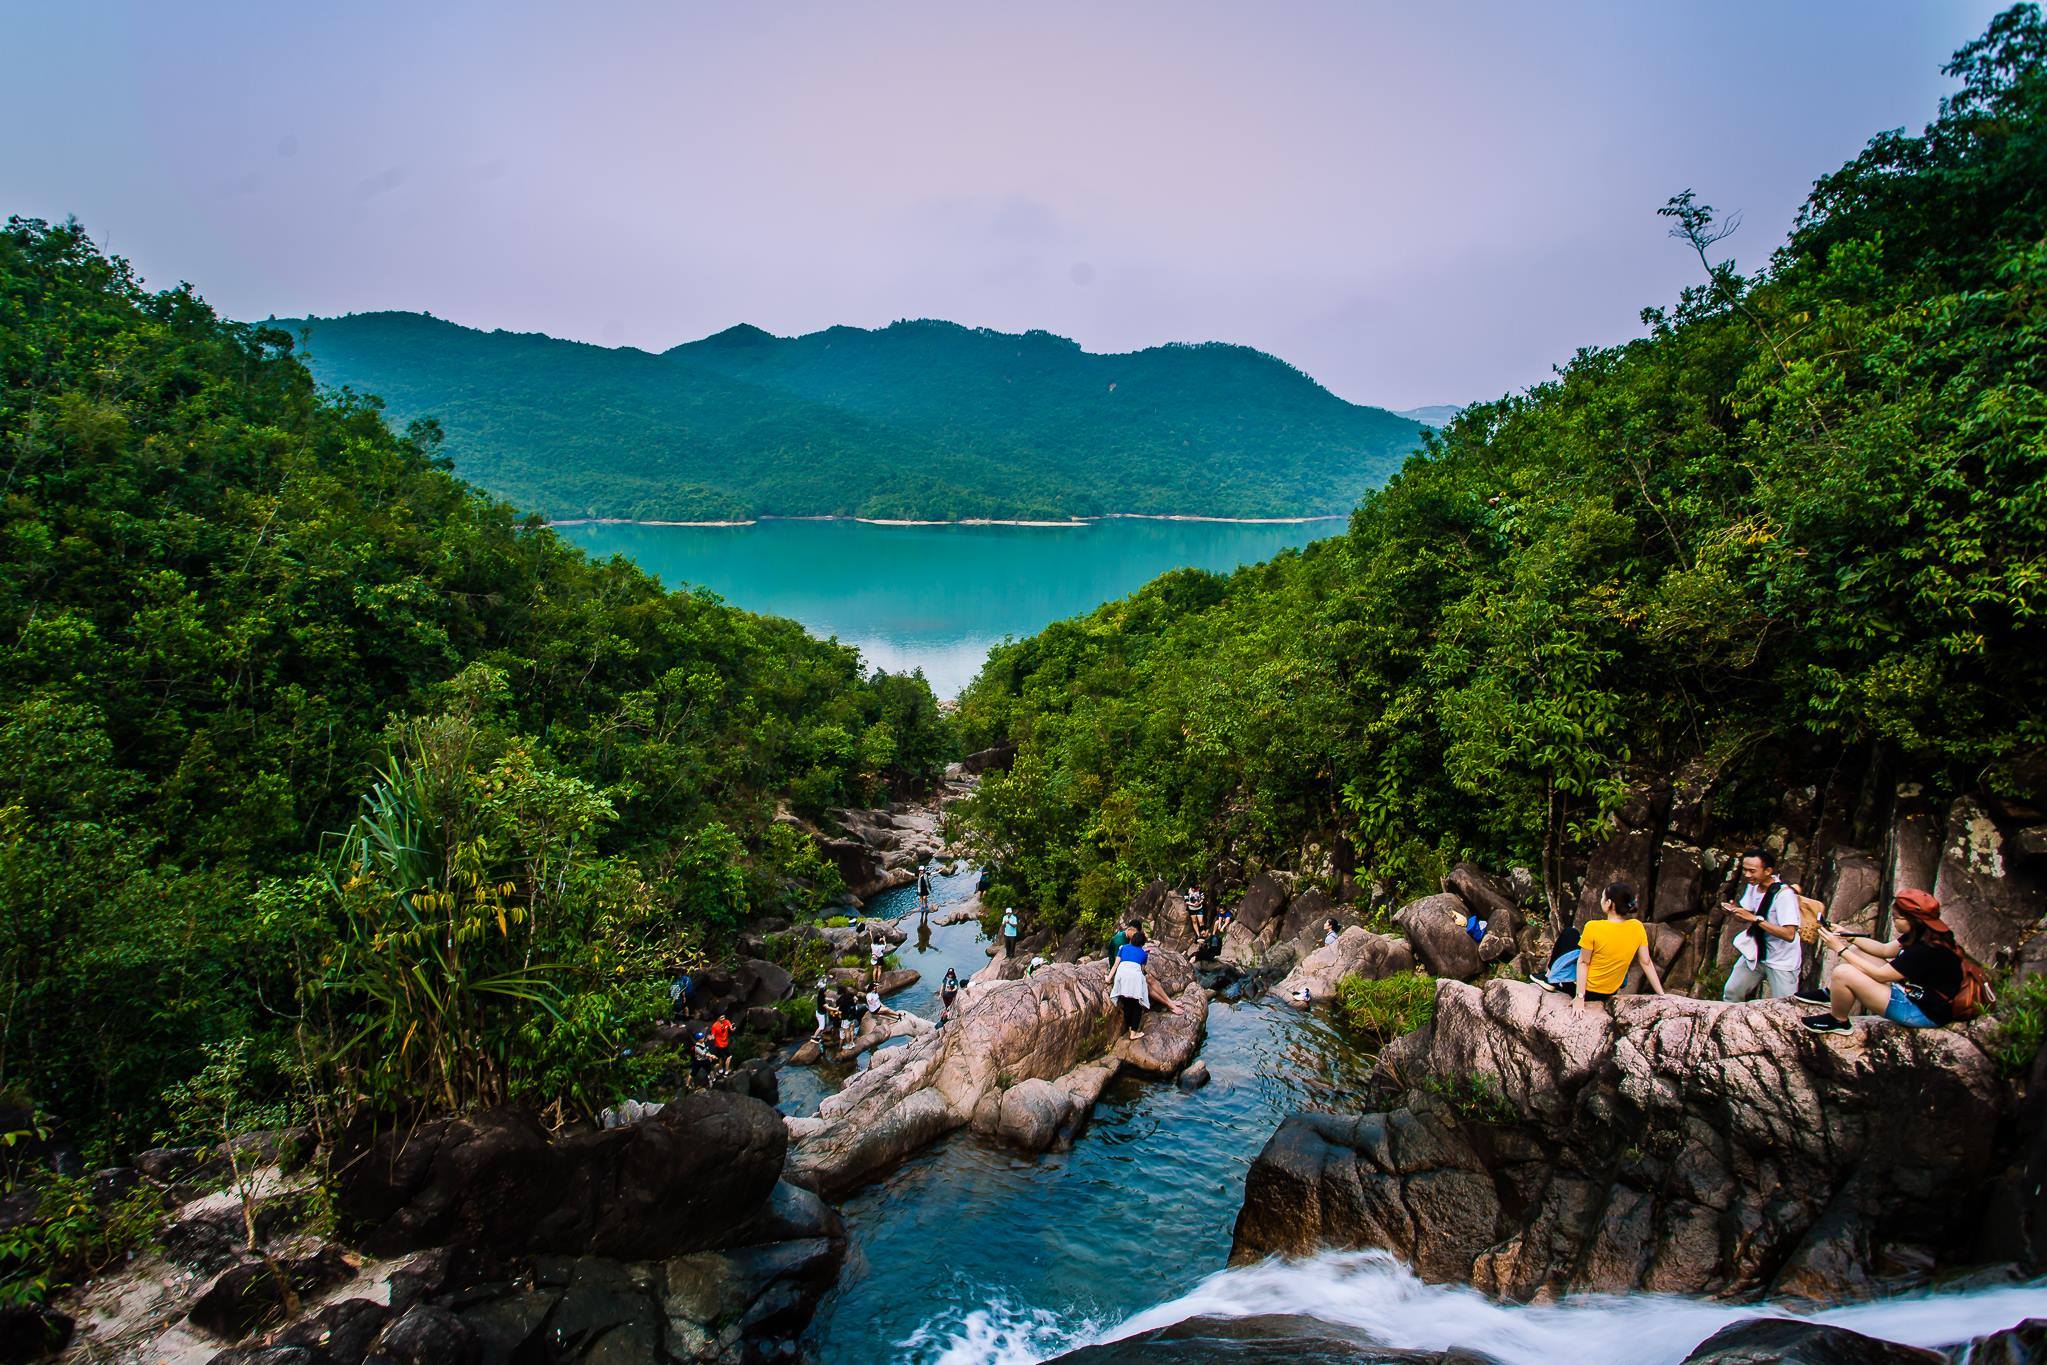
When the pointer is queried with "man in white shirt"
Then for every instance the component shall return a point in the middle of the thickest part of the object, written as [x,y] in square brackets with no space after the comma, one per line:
[1767,949]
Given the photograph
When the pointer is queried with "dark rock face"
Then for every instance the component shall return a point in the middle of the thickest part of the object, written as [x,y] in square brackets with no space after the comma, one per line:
[427,1335]
[677,1182]
[248,1295]
[28,1332]
[1670,1145]
[1263,898]
[2025,1344]
[1277,1338]
[340,1333]
[1788,1341]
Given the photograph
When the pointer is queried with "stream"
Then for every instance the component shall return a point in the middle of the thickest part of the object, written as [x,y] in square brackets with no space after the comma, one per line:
[973,1253]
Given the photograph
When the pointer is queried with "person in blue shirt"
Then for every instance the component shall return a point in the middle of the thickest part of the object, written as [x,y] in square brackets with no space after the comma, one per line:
[1010,924]
[1127,985]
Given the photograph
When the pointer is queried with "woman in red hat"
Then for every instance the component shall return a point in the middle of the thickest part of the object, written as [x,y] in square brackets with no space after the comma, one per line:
[1911,980]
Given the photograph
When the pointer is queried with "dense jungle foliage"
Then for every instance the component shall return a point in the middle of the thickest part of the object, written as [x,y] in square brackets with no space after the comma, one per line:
[1802,522]
[920,420]
[309,743]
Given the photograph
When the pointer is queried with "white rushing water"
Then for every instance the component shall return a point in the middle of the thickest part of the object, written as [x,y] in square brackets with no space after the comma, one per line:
[1373,1293]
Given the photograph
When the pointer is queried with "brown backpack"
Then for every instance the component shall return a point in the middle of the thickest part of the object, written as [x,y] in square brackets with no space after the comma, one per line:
[1975,996]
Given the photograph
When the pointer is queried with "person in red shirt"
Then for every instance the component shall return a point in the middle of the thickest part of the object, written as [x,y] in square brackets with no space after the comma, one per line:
[721,1042]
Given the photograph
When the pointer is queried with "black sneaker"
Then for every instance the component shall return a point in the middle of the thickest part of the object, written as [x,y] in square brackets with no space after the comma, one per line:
[1827,1023]
[1814,997]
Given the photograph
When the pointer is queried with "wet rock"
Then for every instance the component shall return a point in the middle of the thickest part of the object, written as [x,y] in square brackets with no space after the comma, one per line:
[263,1355]
[1666,1144]
[2024,1344]
[427,1335]
[1434,925]
[766,1294]
[510,1328]
[676,1182]
[1790,1341]
[1263,1339]
[248,1295]
[1032,1113]
[1194,1077]
[339,1333]
[1356,952]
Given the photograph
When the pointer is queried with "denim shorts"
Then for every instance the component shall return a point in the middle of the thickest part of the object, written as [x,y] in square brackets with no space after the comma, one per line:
[1902,1010]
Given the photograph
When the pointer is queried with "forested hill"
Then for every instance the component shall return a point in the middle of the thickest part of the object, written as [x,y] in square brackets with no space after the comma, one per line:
[1797,532]
[921,420]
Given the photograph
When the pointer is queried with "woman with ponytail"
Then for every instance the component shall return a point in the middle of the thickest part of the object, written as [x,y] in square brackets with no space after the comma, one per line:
[1912,979]
[1607,947]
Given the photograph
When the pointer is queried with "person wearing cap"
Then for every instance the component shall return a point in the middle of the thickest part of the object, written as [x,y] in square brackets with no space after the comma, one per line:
[1910,979]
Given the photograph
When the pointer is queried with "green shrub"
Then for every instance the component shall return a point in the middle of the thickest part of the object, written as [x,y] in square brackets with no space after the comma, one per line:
[2021,1016]
[1474,1095]
[1387,1008]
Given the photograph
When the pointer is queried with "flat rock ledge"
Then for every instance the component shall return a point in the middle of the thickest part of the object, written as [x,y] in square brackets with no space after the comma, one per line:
[1666,1144]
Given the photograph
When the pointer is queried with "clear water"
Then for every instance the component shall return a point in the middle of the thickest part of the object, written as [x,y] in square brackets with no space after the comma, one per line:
[972,1253]
[934,597]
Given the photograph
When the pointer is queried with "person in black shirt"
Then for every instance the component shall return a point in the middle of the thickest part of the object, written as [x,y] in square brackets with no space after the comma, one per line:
[1910,980]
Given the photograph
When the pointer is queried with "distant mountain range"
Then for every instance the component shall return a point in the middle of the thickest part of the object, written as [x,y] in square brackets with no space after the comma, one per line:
[918,420]
[1434,415]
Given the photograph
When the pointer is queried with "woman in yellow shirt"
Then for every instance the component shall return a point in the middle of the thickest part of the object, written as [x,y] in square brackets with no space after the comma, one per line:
[1607,946]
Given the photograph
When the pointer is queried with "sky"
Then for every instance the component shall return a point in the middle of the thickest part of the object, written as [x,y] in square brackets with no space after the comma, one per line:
[1415,203]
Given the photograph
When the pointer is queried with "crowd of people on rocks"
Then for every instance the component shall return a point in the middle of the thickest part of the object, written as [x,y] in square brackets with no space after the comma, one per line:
[1920,977]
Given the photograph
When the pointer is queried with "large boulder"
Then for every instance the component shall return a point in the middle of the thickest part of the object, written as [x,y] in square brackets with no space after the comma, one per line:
[677,1182]
[1434,925]
[1626,857]
[1668,1144]
[1471,884]
[1262,1339]
[1793,1341]
[1264,898]
[1356,952]
[1058,1026]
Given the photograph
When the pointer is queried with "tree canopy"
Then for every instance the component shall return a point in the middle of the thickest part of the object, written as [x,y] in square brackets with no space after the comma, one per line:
[1799,528]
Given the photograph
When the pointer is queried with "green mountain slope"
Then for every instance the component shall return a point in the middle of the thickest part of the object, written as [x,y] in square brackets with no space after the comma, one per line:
[919,419]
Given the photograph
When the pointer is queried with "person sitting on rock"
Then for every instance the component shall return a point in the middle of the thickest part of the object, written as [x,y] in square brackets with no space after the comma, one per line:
[1912,979]
[1010,924]
[1608,947]
[1563,958]
[702,1060]
[1767,951]
[1329,933]
[721,1041]
[876,1010]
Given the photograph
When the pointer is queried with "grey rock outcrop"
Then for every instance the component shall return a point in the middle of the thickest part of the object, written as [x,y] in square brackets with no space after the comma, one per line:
[1669,1144]
[1356,952]
[1059,1028]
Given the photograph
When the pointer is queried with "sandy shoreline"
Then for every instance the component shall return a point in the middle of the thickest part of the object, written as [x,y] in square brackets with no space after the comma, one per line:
[971,521]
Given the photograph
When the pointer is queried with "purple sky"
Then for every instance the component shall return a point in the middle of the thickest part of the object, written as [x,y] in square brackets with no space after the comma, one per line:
[1414,203]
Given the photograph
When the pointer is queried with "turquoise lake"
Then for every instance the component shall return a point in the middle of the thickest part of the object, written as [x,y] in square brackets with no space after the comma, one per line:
[934,597]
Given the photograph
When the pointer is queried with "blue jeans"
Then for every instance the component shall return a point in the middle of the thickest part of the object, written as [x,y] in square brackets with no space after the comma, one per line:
[1902,1010]
[1564,970]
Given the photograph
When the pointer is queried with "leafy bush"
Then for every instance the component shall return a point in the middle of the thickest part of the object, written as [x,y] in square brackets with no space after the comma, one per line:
[2021,1016]
[1386,1008]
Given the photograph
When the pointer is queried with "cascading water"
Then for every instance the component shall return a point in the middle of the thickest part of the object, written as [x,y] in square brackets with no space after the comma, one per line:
[974,1253]
[1381,1300]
